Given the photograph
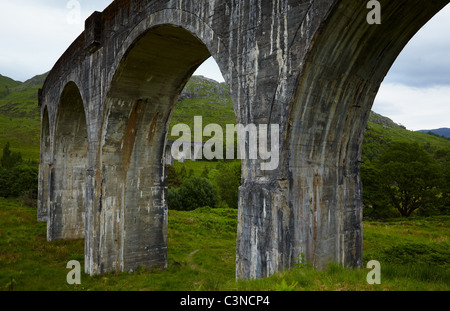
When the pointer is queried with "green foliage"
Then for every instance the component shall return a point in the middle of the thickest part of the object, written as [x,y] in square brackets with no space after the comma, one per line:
[224,176]
[412,178]
[406,178]
[227,179]
[195,192]
[174,179]
[375,199]
[20,124]
[174,199]
[302,262]
[17,178]
[283,286]
[10,159]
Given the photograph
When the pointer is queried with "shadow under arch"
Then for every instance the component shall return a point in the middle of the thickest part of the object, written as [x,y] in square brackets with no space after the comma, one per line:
[138,110]
[43,198]
[338,84]
[67,172]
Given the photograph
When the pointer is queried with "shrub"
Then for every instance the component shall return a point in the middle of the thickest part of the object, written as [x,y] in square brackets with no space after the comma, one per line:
[173,178]
[174,200]
[227,178]
[17,177]
[195,192]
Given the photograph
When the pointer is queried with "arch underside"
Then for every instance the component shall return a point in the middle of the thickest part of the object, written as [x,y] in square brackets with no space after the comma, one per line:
[67,170]
[337,87]
[43,193]
[140,102]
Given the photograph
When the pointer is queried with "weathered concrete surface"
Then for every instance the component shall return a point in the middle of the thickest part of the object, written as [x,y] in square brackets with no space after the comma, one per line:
[311,66]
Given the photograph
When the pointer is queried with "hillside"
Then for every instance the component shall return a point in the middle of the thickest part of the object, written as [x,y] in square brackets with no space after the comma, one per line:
[20,123]
[6,85]
[381,132]
[20,117]
[445,132]
[203,97]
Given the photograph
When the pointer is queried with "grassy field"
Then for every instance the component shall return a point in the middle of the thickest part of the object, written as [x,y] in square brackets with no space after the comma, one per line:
[414,255]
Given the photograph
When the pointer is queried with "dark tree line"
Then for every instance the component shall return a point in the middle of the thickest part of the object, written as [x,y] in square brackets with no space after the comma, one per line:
[406,180]
[18,178]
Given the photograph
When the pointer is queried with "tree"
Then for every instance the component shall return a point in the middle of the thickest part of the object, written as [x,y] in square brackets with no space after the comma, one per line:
[173,178]
[174,200]
[17,177]
[375,199]
[443,156]
[410,177]
[195,192]
[228,180]
[10,159]
[25,180]
[5,185]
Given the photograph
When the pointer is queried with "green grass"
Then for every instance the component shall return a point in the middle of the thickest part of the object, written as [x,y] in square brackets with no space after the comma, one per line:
[197,166]
[201,256]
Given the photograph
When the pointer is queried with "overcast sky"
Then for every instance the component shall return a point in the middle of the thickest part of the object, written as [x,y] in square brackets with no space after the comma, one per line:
[416,92]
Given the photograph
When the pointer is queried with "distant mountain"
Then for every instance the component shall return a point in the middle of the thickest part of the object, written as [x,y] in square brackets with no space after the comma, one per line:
[445,131]
[199,87]
[384,121]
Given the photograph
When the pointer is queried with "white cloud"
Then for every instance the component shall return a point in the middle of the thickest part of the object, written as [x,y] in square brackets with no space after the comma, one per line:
[34,34]
[416,91]
[425,61]
[416,108]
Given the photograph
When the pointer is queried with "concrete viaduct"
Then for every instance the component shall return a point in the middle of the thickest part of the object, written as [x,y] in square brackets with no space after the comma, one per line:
[311,66]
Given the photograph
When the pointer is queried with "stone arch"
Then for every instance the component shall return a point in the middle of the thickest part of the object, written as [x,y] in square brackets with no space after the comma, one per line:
[337,86]
[138,109]
[44,167]
[67,176]
[192,24]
